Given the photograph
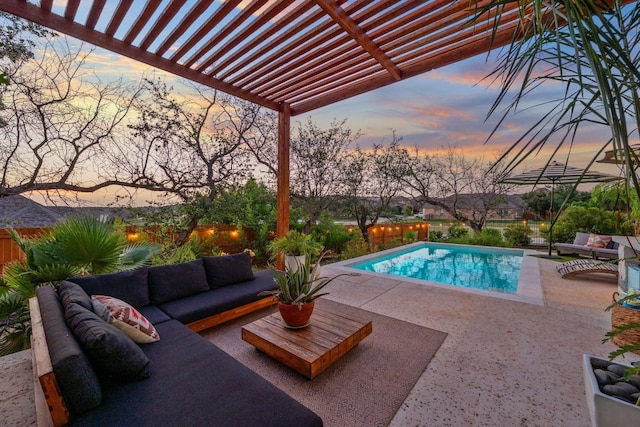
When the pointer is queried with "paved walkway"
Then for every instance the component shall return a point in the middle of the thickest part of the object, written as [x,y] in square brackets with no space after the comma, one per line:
[504,363]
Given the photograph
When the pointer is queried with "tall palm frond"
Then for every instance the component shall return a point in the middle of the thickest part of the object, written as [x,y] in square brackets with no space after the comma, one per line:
[138,254]
[89,243]
[593,50]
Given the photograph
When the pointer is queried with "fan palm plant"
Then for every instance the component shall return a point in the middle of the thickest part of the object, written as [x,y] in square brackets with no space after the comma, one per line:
[76,246]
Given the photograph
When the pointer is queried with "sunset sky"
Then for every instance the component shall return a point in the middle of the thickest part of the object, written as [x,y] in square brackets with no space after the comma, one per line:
[444,108]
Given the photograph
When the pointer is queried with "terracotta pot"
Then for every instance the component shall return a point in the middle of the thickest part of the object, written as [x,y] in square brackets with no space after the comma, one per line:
[294,315]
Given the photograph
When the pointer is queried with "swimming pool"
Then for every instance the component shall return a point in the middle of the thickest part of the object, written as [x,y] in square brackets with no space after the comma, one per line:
[465,266]
[496,272]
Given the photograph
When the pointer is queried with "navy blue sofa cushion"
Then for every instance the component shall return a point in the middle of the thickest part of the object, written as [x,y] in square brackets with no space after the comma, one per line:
[228,269]
[153,314]
[170,282]
[114,354]
[76,378]
[194,383]
[72,293]
[216,301]
[129,286]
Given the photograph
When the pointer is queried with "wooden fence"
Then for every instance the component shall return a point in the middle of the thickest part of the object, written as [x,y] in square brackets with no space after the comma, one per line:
[226,237]
[386,234]
[9,250]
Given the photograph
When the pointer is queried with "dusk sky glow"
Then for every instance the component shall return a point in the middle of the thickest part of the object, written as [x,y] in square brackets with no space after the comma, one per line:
[443,108]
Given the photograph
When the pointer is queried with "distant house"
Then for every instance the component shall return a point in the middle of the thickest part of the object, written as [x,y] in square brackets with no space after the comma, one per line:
[21,212]
[498,207]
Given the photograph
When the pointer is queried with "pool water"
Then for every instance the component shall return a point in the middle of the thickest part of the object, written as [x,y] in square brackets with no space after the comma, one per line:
[490,269]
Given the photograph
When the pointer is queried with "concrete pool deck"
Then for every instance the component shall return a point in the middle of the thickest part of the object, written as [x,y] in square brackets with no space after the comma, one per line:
[504,363]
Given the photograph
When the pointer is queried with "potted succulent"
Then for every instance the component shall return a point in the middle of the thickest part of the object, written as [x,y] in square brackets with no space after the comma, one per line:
[612,389]
[295,247]
[297,289]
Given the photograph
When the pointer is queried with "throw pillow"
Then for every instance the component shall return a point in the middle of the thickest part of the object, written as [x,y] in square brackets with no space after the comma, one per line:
[597,241]
[228,269]
[114,354]
[127,319]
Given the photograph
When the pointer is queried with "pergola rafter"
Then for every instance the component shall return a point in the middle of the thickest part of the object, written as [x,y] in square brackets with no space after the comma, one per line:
[291,56]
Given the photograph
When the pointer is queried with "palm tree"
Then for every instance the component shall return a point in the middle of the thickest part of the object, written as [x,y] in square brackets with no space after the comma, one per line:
[590,47]
[593,49]
[74,247]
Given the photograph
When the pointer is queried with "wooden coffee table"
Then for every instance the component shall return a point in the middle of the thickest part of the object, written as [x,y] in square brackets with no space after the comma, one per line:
[312,349]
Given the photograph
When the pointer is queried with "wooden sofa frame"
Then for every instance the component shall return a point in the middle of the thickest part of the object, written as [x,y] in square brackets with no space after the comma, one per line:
[51,409]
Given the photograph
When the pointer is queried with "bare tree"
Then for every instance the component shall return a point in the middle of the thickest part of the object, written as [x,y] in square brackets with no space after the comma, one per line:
[371,181]
[192,148]
[58,119]
[467,189]
[317,166]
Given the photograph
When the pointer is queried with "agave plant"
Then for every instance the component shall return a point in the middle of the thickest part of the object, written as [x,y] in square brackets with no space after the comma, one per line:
[300,284]
[76,246]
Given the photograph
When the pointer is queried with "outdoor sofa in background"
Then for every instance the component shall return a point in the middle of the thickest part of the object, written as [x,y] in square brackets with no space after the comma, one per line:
[587,244]
[88,372]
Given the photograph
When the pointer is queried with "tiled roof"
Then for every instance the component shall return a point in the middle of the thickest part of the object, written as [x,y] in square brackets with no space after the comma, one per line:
[20,211]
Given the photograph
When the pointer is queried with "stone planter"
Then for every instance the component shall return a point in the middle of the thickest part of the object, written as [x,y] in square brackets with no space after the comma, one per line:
[604,410]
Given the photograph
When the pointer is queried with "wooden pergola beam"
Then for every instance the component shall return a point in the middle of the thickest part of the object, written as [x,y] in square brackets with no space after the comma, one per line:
[349,25]
[35,14]
[284,142]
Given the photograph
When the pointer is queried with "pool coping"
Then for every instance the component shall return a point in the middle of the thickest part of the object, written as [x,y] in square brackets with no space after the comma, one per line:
[529,283]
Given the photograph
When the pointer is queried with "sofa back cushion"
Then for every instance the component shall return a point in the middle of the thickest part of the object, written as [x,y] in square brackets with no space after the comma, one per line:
[228,269]
[581,239]
[76,378]
[171,282]
[113,353]
[73,293]
[129,286]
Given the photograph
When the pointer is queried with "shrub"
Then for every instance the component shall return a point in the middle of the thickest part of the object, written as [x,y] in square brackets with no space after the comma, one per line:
[517,235]
[435,235]
[487,237]
[589,220]
[355,247]
[332,236]
[458,231]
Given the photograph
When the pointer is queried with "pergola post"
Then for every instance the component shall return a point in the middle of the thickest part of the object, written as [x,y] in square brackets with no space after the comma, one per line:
[284,137]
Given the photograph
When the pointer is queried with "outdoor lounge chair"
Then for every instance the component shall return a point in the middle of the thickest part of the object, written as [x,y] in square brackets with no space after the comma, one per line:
[581,246]
[582,266]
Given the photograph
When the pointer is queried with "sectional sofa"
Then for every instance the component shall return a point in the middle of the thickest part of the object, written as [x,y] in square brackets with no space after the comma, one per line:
[91,372]
[583,244]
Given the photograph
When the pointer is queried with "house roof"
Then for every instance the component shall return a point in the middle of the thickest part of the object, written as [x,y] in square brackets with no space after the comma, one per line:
[302,53]
[19,211]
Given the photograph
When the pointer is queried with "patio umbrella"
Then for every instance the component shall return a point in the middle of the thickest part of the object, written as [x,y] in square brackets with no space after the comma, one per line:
[558,173]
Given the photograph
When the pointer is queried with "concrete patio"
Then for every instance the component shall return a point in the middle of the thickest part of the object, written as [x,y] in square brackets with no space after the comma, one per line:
[504,363]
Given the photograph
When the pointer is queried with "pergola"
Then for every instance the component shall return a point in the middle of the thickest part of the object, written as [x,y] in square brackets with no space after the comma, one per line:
[291,56]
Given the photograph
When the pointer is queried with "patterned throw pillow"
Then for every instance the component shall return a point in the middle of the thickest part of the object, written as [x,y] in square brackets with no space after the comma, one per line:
[128,319]
[597,241]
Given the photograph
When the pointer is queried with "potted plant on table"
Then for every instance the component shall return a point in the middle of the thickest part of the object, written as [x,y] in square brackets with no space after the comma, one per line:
[296,247]
[297,289]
